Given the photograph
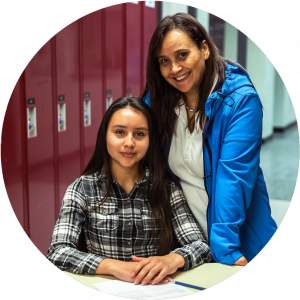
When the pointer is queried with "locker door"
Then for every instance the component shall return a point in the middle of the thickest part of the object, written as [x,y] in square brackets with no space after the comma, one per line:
[133,49]
[38,94]
[149,25]
[92,76]
[115,52]
[11,154]
[68,115]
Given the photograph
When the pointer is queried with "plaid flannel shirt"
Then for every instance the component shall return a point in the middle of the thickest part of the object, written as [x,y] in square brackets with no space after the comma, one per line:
[119,228]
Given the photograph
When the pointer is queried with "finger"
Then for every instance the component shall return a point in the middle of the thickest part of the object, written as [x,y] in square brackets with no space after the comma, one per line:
[166,279]
[162,281]
[137,259]
[143,272]
[152,275]
[160,276]
[139,266]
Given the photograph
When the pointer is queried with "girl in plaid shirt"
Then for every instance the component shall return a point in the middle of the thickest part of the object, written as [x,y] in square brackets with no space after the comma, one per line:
[136,222]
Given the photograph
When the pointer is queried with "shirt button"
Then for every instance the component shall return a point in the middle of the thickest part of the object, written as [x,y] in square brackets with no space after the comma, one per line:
[104,210]
[187,148]
[128,201]
[189,137]
[129,223]
[128,243]
[137,186]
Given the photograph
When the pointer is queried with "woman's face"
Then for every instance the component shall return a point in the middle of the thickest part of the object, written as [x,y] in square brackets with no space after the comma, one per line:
[181,62]
[127,138]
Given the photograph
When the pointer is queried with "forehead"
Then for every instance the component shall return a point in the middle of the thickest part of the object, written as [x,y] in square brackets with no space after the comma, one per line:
[175,40]
[128,117]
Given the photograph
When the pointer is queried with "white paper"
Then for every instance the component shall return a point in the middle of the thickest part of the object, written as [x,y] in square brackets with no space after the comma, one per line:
[149,291]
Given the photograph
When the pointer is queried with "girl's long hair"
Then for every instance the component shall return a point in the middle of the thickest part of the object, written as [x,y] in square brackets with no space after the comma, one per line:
[158,192]
[164,97]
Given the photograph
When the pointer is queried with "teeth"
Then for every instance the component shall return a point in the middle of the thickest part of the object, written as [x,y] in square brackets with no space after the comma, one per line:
[183,76]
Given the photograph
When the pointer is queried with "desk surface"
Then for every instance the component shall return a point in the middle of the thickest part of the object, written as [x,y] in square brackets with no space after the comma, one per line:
[205,276]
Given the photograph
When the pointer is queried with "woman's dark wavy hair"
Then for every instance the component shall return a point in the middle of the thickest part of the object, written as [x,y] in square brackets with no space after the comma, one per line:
[158,193]
[164,97]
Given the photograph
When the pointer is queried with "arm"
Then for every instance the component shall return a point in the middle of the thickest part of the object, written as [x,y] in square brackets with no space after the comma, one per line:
[194,251]
[235,177]
[62,251]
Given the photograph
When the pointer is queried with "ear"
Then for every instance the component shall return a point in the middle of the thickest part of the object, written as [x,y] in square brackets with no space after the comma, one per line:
[205,50]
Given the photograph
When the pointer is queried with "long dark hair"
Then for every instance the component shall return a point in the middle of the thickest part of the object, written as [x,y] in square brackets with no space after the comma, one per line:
[164,97]
[158,192]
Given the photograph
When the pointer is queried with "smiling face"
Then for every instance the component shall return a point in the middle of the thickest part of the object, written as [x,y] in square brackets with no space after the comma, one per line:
[181,62]
[127,138]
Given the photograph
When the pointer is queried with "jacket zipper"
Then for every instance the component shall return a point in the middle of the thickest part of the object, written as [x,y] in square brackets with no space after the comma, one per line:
[210,158]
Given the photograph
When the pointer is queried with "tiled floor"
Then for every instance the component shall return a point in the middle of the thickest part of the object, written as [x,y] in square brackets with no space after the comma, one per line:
[279,161]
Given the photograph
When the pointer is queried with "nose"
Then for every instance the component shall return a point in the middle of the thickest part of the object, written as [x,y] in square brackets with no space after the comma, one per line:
[129,142]
[175,68]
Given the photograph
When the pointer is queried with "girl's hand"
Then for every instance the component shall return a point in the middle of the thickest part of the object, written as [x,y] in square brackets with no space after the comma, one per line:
[156,268]
[242,261]
[122,270]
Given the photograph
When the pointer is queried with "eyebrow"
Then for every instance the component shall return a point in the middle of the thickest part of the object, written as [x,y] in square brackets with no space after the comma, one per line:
[138,128]
[174,53]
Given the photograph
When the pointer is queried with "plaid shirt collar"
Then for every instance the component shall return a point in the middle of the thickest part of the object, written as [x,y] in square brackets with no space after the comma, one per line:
[102,175]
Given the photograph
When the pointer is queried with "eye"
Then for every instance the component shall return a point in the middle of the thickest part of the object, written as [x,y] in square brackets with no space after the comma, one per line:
[163,61]
[182,55]
[119,131]
[139,134]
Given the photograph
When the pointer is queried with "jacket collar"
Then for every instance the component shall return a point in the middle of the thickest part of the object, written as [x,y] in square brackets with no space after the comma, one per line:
[234,79]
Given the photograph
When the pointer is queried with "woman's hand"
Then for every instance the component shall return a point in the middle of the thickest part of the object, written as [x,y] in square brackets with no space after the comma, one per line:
[120,269]
[242,261]
[156,268]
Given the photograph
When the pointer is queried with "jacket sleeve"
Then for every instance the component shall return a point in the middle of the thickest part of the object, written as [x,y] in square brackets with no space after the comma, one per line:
[235,177]
[194,248]
[62,251]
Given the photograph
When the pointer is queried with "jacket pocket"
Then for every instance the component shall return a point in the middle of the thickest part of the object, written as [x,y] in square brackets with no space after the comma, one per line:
[105,218]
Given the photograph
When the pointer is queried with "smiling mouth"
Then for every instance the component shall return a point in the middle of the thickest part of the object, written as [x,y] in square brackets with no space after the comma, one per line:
[183,76]
[128,154]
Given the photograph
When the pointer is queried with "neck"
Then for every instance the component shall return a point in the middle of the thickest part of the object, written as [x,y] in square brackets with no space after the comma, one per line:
[125,176]
[192,100]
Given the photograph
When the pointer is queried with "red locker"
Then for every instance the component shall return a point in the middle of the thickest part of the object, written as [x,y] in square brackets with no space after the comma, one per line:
[133,48]
[93,102]
[68,110]
[149,25]
[115,52]
[38,95]
[11,155]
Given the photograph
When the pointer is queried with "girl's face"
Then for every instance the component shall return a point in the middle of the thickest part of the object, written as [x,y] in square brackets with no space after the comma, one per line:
[127,138]
[181,62]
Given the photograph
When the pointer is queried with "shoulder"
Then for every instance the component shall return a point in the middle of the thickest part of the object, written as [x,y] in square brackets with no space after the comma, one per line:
[176,193]
[83,187]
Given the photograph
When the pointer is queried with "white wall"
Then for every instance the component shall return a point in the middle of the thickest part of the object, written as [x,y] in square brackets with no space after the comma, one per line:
[203,18]
[284,113]
[262,74]
[170,8]
[231,42]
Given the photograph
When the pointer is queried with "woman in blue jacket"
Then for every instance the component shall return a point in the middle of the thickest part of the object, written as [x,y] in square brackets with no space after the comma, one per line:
[210,125]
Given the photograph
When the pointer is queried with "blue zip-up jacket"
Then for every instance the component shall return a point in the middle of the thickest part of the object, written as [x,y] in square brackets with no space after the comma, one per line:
[238,214]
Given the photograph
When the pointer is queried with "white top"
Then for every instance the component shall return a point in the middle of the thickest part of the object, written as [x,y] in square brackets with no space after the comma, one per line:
[186,162]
